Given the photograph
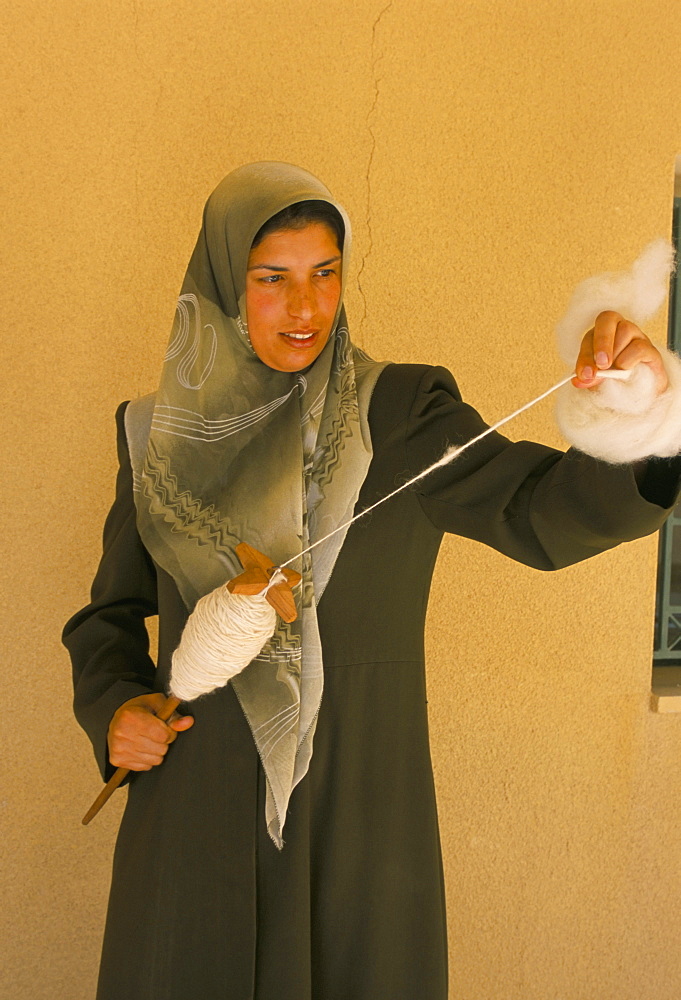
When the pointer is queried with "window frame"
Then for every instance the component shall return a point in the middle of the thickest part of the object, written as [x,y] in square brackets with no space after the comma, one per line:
[667,642]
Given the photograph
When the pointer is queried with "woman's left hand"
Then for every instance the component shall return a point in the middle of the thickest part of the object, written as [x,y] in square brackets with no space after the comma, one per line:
[615,342]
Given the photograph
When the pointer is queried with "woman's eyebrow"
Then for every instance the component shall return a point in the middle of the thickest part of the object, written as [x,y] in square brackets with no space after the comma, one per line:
[273,267]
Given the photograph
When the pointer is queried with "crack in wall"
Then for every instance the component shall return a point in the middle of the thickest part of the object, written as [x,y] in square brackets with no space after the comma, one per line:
[375,59]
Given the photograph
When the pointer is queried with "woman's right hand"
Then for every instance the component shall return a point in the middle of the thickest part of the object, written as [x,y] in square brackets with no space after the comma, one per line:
[139,740]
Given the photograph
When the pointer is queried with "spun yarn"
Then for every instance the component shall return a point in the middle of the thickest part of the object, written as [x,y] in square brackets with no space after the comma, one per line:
[226,631]
[223,634]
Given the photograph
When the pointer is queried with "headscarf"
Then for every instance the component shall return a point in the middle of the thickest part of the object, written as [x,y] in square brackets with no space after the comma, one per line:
[240,452]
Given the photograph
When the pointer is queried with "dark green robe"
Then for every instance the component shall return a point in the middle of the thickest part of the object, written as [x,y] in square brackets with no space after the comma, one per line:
[202,904]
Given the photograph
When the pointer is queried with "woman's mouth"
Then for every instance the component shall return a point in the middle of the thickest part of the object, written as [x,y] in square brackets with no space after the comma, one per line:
[300,338]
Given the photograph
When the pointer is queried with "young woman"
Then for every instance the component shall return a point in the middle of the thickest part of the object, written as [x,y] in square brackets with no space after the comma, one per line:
[286,846]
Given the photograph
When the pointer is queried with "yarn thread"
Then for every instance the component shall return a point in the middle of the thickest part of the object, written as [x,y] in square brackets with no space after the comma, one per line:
[450,454]
[226,631]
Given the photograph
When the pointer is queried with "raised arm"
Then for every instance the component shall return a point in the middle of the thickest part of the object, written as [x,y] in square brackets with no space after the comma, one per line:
[533,503]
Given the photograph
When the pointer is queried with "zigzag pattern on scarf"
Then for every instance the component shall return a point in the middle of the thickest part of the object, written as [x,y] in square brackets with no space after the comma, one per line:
[182,510]
[284,646]
[341,429]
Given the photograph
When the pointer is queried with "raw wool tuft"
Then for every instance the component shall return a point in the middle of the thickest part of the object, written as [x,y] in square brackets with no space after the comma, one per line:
[622,422]
[636,294]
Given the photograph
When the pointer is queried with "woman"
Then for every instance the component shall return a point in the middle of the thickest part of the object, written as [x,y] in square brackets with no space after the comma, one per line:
[288,845]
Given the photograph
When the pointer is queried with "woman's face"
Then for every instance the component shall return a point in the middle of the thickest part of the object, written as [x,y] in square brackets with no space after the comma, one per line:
[293,286]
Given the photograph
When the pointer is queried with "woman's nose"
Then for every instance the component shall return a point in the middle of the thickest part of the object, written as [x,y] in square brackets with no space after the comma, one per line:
[302,302]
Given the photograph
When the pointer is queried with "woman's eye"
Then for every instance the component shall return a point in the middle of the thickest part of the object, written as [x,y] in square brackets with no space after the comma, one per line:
[325,272]
[271,279]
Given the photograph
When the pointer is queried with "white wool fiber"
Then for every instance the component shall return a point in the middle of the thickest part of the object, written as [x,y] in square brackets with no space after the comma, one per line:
[637,294]
[622,422]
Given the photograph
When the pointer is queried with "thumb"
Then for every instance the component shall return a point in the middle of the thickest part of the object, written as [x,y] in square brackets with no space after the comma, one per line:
[181,722]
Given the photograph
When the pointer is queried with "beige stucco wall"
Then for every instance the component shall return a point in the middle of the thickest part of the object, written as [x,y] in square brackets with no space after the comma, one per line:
[491,154]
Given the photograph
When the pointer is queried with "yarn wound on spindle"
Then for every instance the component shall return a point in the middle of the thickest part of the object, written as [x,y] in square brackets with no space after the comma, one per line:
[223,634]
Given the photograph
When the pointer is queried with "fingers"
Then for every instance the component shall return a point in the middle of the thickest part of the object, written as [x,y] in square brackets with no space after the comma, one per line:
[136,754]
[616,342]
[601,345]
[611,333]
[585,368]
[137,739]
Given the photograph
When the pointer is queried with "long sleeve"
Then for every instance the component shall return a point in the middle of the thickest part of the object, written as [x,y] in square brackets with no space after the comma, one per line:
[540,506]
[108,640]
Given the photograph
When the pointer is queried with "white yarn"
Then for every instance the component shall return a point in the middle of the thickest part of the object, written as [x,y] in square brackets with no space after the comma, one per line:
[450,454]
[226,631]
[621,421]
[223,634]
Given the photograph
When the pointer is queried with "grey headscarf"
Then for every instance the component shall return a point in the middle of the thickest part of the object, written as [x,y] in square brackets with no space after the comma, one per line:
[240,452]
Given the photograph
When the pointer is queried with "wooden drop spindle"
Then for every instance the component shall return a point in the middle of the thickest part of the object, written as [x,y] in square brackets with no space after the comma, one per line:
[258,571]
[121,773]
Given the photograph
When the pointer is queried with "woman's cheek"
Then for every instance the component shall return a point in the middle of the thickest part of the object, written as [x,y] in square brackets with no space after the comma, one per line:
[262,307]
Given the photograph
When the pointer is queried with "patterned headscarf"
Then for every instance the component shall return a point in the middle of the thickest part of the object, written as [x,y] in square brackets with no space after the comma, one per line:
[240,452]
